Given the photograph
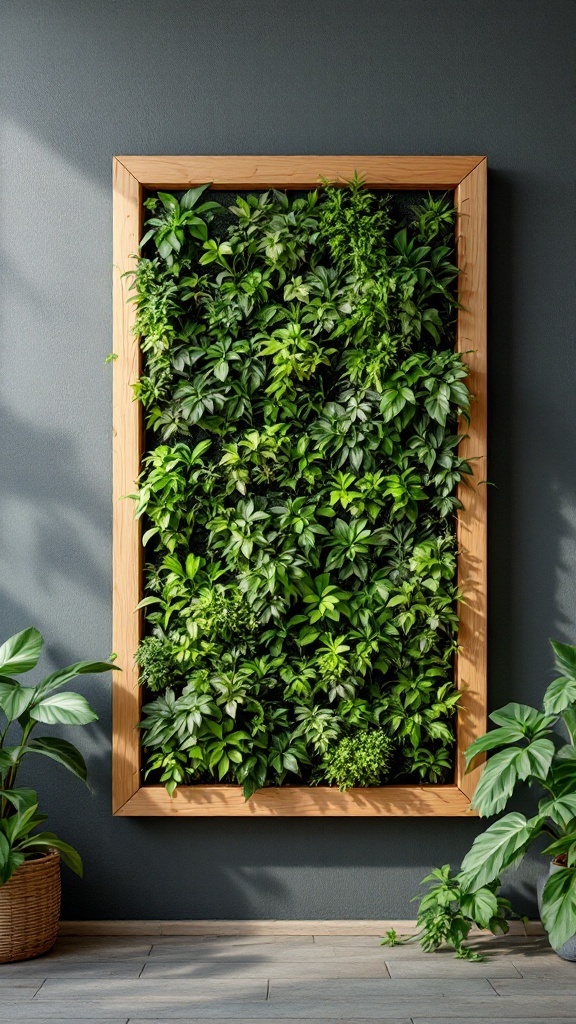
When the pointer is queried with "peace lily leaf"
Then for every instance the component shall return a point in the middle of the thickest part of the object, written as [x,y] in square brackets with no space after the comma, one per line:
[21,799]
[499,847]
[14,699]
[63,709]
[21,652]
[61,751]
[46,840]
[65,675]
[559,906]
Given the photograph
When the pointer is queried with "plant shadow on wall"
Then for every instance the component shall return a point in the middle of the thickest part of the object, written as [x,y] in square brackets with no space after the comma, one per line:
[300,596]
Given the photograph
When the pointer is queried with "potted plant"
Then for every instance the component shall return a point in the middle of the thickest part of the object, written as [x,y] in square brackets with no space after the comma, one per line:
[528,746]
[30,859]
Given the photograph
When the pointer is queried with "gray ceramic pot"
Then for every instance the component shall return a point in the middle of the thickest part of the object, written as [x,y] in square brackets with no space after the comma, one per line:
[568,950]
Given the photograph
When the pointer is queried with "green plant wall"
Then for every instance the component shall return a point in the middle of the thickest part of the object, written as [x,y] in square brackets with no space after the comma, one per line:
[301,394]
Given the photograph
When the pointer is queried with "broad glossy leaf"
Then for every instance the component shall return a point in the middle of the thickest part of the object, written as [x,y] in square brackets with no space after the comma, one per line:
[565,657]
[20,798]
[14,698]
[501,845]
[63,709]
[496,738]
[21,652]
[562,810]
[80,668]
[191,197]
[45,840]
[481,906]
[561,694]
[536,759]
[559,906]
[497,782]
[61,751]
[523,717]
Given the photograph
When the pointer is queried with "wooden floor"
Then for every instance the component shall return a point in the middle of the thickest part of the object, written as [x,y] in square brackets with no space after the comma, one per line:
[297,978]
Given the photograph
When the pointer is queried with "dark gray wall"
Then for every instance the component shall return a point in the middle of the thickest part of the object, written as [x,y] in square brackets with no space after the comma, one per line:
[83,81]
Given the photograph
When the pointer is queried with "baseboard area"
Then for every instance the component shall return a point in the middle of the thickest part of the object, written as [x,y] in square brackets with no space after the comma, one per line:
[264,927]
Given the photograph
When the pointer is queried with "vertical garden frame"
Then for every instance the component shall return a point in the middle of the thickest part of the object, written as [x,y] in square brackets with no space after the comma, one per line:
[132,175]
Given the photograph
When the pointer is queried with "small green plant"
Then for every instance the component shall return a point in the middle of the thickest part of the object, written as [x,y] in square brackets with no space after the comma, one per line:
[302,397]
[362,759]
[527,747]
[22,710]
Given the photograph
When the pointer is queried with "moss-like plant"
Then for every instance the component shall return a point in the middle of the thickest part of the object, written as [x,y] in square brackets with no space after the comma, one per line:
[301,395]
[362,759]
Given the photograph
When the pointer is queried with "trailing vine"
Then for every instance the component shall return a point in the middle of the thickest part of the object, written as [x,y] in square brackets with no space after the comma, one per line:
[301,395]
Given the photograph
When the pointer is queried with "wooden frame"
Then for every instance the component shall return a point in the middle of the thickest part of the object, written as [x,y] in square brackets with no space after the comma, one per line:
[466,175]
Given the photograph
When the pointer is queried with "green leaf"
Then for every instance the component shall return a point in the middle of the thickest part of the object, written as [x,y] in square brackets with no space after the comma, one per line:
[21,652]
[501,845]
[191,197]
[47,840]
[495,738]
[20,798]
[14,698]
[561,694]
[481,906]
[559,906]
[523,717]
[63,709]
[80,668]
[562,810]
[61,751]
[565,657]
[536,759]
[497,782]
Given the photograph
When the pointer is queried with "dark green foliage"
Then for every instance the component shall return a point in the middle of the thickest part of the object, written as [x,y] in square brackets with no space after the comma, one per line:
[362,759]
[302,396]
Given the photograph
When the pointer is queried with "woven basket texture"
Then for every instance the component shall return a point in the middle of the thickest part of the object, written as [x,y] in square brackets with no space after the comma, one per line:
[30,909]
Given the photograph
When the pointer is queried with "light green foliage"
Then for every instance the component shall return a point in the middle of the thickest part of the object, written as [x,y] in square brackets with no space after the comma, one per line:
[525,747]
[362,759]
[302,395]
[22,708]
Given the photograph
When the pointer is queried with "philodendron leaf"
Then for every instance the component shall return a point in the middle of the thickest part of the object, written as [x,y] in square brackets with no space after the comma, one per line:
[562,810]
[523,717]
[481,906]
[561,694]
[21,652]
[14,699]
[497,782]
[565,657]
[559,906]
[496,738]
[501,845]
[63,709]
[61,751]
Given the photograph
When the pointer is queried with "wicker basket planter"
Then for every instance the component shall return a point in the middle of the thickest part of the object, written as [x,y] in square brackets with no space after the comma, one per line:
[30,909]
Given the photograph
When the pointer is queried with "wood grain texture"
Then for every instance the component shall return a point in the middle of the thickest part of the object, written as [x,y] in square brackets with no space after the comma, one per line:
[471,661]
[127,446]
[266,927]
[467,175]
[298,801]
[299,172]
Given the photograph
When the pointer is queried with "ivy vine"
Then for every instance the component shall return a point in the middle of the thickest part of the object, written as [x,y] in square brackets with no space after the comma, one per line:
[301,395]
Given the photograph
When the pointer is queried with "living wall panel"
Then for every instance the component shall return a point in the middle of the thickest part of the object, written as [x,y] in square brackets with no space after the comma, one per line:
[467,177]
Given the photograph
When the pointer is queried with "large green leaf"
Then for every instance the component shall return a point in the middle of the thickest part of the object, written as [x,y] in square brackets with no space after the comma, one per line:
[59,750]
[501,845]
[496,738]
[497,782]
[561,694]
[559,906]
[562,810]
[9,860]
[536,759]
[523,717]
[481,906]
[21,652]
[20,798]
[565,657]
[14,699]
[46,840]
[63,709]
[65,675]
